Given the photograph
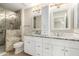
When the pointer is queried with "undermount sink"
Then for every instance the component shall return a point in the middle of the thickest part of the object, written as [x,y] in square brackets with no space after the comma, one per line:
[73,36]
[36,34]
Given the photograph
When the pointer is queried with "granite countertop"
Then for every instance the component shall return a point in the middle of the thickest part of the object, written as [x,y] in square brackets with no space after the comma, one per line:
[56,37]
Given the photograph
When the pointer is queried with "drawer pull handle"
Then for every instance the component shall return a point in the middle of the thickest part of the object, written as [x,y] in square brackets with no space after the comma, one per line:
[62,49]
[38,46]
[47,48]
[38,54]
[28,42]
[66,50]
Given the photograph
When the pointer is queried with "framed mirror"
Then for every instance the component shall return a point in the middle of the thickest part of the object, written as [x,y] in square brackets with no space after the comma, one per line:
[76,18]
[61,18]
[37,24]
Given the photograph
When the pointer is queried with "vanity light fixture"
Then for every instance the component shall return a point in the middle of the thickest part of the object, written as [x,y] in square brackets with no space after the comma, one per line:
[57,5]
[37,9]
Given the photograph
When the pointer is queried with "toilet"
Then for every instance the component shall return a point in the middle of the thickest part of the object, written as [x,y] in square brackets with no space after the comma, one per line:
[18,47]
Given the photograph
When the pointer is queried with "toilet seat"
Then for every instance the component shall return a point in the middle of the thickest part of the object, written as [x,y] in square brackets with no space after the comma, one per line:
[18,47]
[18,44]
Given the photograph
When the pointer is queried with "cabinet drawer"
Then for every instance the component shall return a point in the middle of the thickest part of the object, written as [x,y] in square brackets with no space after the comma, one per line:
[38,52]
[47,48]
[33,39]
[72,44]
[47,54]
[38,48]
[38,43]
[58,42]
[58,50]
[71,51]
[47,40]
[32,43]
[38,39]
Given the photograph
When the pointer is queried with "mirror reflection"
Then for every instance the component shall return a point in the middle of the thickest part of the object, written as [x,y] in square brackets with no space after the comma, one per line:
[37,24]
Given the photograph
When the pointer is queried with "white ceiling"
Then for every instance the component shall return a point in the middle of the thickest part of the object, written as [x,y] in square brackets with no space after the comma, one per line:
[18,6]
[14,6]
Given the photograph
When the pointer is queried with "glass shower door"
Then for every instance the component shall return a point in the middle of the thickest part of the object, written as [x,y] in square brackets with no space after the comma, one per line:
[2,26]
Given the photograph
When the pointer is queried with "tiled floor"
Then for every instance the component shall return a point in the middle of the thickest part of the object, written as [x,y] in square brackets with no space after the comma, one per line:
[12,54]
[2,49]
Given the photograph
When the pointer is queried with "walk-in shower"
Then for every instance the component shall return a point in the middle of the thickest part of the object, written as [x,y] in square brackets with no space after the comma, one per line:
[9,20]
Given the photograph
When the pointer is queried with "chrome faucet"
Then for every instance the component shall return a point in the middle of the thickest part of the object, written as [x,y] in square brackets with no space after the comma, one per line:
[57,34]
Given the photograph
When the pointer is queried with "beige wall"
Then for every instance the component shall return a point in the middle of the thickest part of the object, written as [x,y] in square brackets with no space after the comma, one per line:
[26,21]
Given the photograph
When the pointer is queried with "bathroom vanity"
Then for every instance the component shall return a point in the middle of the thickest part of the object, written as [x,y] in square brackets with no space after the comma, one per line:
[50,46]
[59,17]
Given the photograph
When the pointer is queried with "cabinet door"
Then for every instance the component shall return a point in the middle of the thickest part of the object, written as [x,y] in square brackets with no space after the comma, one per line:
[39,47]
[32,45]
[72,52]
[38,50]
[47,49]
[27,45]
[57,50]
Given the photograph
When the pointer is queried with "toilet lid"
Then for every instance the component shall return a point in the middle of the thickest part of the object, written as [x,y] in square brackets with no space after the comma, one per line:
[18,44]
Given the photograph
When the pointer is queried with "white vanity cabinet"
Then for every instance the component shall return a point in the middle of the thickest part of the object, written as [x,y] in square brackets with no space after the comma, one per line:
[64,51]
[61,17]
[47,47]
[57,47]
[65,48]
[71,52]
[33,45]
[72,48]
[57,50]
[29,45]
[40,46]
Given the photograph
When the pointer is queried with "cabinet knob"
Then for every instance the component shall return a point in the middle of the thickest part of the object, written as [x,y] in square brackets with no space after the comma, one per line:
[66,50]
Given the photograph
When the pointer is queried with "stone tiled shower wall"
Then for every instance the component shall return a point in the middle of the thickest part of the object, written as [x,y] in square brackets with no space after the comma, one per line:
[12,36]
